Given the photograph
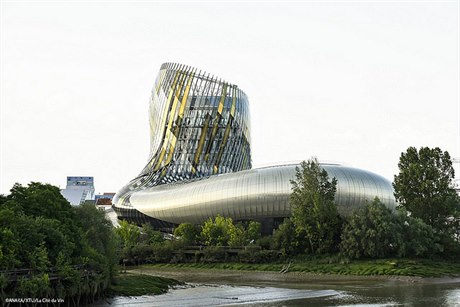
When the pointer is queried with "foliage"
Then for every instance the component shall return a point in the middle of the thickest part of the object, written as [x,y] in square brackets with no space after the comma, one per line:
[149,235]
[212,254]
[255,254]
[217,232]
[223,232]
[418,238]
[69,251]
[285,238]
[265,242]
[187,233]
[253,231]
[372,232]
[129,233]
[324,265]
[425,187]
[99,238]
[163,252]
[375,231]
[135,285]
[314,212]
[237,235]
[140,253]
[39,199]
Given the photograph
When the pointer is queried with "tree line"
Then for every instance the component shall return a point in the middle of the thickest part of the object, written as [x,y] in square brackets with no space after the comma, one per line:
[425,223]
[50,249]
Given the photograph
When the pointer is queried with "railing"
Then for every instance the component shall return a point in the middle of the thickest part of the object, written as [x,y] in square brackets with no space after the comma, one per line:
[16,274]
[226,249]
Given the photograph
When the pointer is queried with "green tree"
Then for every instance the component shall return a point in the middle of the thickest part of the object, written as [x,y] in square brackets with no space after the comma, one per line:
[372,231]
[285,238]
[39,259]
[9,247]
[418,238]
[237,235]
[150,235]
[99,240]
[217,232]
[129,233]
[253,231]
[425,187]
[38,199]
[187,233]
[40,230]
[314,212]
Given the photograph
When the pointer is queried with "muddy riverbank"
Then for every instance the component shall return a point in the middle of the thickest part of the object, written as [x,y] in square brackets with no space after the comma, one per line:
[213,287]
[193,275]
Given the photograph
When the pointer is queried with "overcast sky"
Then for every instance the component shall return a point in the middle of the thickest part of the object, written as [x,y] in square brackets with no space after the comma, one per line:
[350,82]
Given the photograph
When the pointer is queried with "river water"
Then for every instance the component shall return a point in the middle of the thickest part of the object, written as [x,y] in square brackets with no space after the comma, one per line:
[233,288]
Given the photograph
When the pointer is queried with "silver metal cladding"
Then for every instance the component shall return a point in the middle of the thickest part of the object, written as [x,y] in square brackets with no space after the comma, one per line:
[200,160]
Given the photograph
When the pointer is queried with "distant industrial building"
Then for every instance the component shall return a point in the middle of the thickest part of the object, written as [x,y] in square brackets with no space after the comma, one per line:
[104,199]
[79,190]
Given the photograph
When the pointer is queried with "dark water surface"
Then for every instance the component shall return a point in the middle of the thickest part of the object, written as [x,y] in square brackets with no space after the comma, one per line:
[233,288]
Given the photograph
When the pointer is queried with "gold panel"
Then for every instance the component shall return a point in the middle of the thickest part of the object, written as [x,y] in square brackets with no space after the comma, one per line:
[179,116]
[172,141]
[183,103]
[227,132]
[202,139]
[233,107]
[163,120]
[216,121]
[172,112]
[185,97]
[222,99]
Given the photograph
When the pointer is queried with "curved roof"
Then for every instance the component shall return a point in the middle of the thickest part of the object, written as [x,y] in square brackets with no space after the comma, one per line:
[254,194]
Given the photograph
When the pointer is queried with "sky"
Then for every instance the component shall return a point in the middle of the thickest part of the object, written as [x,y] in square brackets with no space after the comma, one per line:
[350,82]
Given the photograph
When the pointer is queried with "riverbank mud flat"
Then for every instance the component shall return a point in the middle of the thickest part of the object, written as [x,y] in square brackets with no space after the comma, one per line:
[218,276]
[216,287]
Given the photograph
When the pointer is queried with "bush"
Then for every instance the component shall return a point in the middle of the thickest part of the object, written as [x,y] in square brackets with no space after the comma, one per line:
[142,253]
[249,255]
[420,239]
[265,242]
[217,232]
[213,254]
[257,255]
[163,252]
[373,231]
[285,239]
[187,233]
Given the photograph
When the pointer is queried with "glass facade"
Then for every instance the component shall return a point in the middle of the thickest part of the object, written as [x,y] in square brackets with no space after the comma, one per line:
[199,126]
[200,160]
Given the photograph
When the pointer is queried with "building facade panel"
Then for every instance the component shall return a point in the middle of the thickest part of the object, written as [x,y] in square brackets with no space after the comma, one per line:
[222,195]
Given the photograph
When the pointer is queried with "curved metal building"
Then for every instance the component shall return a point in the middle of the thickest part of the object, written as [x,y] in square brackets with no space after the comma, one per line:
[200,160]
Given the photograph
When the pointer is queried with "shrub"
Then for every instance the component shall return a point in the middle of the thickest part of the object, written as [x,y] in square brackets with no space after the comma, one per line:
[213,254]
[373,231]
[163,252]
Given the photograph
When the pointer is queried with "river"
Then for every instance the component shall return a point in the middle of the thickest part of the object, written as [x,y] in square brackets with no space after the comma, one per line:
[233,288]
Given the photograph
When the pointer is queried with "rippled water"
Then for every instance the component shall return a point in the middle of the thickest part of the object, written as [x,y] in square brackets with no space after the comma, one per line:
[221,295]
[263,289]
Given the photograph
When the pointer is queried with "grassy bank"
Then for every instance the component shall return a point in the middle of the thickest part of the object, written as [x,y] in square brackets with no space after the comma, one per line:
[398,267]
[134,285]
